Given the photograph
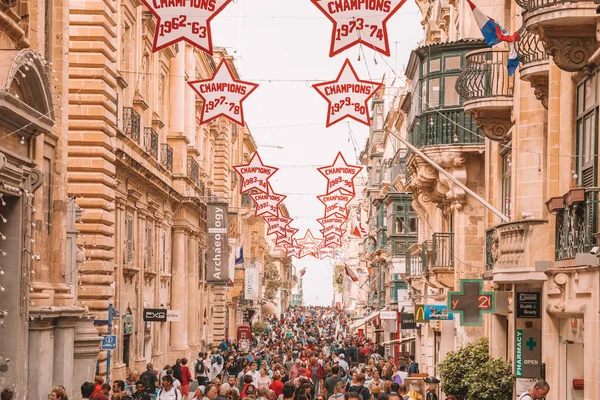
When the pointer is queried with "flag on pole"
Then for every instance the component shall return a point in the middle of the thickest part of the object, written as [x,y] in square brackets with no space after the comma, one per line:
[239,255]
[356,230]
[302,272]
[494,33]
[351,273]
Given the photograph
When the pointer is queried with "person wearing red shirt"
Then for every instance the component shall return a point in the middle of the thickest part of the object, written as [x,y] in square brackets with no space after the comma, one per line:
[186,377]
[277,385]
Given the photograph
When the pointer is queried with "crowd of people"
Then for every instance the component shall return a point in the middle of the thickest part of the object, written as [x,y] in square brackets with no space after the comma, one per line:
[305,354]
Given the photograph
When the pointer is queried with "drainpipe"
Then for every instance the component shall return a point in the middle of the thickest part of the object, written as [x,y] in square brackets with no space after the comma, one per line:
[452,178]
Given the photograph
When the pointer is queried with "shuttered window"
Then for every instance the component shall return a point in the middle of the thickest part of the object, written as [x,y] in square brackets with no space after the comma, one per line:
[129,243]
[149,245]
[586,129]
[201,264]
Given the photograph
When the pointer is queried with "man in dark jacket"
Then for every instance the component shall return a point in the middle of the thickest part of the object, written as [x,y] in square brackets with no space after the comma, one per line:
[177,370]
[149,378]
[360,387]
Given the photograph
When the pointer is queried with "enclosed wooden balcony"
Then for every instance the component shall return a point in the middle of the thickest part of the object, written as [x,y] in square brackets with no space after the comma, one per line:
[567,29]
[444,127]
[488,91]
[576,223]
[534,65]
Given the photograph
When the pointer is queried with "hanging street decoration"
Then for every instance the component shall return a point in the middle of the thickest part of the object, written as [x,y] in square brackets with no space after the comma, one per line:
[347,96]
[223,95]
[277,224]
[255,174]
[335,203]
[287,238]
[294,249]
[267,203]
[359,22]
[310,244]
[332,231]
[178,20]
[340,175]
[332,240]
[327,252]
[333,221]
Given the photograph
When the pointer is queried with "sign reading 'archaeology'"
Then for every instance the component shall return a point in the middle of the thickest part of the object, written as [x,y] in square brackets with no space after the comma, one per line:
[217,254]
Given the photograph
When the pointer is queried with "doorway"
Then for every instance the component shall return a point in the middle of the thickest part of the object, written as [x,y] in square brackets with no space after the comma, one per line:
[126,349]
[571,357]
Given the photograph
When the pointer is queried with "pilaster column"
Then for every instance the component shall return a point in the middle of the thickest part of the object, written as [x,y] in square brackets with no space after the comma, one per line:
[86,347]
[64,336]
[190,97]
[192,281]
[179,292]
[40,359]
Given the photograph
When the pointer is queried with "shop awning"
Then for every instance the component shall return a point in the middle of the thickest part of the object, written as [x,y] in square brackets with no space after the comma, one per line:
[399,341]
[364,320]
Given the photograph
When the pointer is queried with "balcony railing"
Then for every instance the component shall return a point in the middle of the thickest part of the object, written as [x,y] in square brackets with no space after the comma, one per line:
[443,250]
[193,169]
[530,47]
[166,156]
[131,123]
[486,76]
[532,5]
[382,240]
[416,264]
[576,225]
[444,127]
[489,243]
[151,141]
[202,188]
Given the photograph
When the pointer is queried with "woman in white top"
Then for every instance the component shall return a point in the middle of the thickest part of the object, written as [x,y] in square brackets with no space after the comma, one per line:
[264,381]
[339,391]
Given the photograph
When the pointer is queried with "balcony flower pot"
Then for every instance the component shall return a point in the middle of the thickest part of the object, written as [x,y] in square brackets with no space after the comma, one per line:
[573,196]
[555,204]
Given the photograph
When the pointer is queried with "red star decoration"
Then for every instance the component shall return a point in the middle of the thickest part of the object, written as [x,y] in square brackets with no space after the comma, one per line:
[347,96]
[332,240]
[287,238]
[335,220]
[354,25]
[267,203]
[255,174]
[294,249]
[326,252]
[222,95]
[309,244]
[332,231]
[336,202]
[277,224]
[340,175]
[191,24]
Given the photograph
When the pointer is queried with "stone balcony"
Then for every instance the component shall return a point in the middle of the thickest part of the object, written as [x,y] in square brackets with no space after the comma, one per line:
[440,261]
[512,251]
[534,65]
[567,29]
[488,92]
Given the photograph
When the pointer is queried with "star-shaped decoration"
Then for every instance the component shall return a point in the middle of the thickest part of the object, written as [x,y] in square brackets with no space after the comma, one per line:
[332,231]
[309,244]
[277,224]
[340,175]
[267,203]
[294,249]
[336,202]
[335,220]
[347,96]
[182,20]
[359,22]
[326,252]
[222,95]
[332,240]
[287,238]
[255,174]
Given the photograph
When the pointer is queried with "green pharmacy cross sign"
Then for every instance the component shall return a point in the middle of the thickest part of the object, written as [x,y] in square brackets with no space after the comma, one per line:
[471,302]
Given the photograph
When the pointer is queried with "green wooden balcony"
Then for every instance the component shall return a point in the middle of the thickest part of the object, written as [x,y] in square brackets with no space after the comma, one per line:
[444,127]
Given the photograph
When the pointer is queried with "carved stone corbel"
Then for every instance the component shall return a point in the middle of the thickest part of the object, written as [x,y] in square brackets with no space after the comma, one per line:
[495,125]
[570,48]
[540,89]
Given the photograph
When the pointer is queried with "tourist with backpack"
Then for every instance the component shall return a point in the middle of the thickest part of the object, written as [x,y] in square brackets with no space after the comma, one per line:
[201,370]
[168,392]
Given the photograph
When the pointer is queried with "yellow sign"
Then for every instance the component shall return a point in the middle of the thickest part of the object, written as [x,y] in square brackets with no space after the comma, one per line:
[420,313]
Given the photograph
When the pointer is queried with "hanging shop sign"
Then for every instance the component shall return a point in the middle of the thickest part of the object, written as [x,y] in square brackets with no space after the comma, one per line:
[255,175]
[347,96]
[184,20]
[436,312]
[222,95]
[155,315]
[127,324]
[420,313]
[359,22]
[528,305]
[471,302]
[252,283]
[340,175]
[388,315]
[217,252]
[407,321]
[267,203]
[528,353]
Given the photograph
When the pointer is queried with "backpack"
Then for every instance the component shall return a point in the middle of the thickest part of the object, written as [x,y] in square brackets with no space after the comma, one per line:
[360,391]
[161,390]
[200,367]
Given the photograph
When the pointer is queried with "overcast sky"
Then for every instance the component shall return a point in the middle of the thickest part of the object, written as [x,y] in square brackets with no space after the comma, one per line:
[283,45]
